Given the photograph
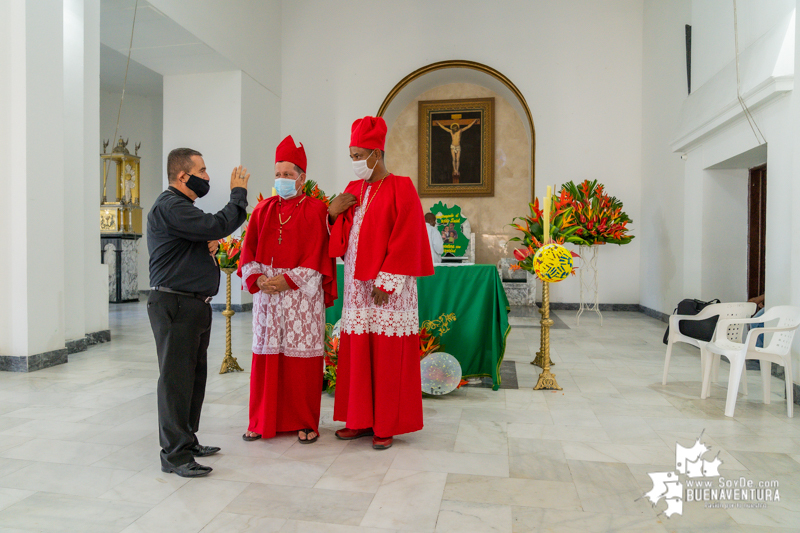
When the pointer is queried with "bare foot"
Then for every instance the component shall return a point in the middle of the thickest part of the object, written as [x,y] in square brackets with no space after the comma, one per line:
[251,434]
[303,436]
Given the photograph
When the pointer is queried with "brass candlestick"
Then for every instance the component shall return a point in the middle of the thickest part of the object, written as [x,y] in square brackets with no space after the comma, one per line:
[547,380]
[539,360]
[229,364]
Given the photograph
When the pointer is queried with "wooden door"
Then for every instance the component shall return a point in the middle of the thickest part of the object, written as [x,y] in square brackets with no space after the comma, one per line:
[757,231]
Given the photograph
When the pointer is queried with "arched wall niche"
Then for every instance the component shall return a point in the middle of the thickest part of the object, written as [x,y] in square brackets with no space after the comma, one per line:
[514,145]
[455,71]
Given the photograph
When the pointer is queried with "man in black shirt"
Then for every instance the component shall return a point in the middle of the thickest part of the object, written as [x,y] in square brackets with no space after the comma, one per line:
[184,276]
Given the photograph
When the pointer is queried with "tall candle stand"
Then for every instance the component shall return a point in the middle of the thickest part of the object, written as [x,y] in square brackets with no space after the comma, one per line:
[538,360]
[547,380]
[229,363]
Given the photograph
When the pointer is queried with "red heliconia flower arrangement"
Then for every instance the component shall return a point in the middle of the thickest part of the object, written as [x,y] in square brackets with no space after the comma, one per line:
[312,189]
[562,227]
[428,342]
[599,217]
[230,249]
[331,359]
[581,214]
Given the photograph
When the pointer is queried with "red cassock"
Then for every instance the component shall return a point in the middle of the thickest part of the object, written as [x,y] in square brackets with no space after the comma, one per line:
[288,327]
[385,245]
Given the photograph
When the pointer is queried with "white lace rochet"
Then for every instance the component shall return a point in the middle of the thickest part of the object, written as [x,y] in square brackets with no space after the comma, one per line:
[398,317]
[290,322]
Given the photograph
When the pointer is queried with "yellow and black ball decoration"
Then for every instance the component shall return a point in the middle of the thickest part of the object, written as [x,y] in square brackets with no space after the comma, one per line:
[552,263]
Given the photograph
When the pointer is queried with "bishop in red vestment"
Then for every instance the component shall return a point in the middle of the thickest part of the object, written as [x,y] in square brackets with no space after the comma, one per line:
[379,228]
[286,266]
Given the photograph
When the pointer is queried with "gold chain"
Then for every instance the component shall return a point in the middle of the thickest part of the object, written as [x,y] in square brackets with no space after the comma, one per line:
[281,221]
[369,202]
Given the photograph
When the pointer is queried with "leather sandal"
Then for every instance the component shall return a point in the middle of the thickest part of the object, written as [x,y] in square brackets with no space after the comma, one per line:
[252,438]
[307,440]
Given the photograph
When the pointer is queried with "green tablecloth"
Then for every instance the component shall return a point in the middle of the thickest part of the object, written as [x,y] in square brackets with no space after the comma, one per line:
[475,295]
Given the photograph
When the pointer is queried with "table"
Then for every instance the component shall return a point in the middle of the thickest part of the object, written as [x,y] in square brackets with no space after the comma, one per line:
[475,295]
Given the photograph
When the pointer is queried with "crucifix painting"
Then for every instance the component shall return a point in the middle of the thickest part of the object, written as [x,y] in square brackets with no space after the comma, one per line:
[454,127]
[456,147]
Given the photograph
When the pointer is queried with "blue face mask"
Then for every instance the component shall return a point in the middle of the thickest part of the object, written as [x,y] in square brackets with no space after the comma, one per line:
[285,187]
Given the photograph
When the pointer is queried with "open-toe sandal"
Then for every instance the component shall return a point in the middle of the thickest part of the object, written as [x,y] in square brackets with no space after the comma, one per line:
[251,438]
[307,440]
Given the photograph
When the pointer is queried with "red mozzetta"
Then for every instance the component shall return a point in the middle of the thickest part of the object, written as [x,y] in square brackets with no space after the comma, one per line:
[303,244]
[393,235]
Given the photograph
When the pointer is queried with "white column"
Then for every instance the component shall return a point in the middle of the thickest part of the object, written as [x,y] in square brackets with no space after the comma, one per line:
[74,168]
[692,225]
[788,236]
[95,274]
[231,119]
[32,324]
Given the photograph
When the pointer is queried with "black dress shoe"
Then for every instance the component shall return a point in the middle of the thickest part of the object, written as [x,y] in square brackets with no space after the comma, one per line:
[191,469]
[203,451]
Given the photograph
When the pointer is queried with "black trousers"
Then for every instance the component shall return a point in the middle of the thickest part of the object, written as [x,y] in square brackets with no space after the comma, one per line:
[182,328]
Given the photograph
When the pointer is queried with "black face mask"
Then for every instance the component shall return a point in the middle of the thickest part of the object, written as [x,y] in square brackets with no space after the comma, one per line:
[198,186]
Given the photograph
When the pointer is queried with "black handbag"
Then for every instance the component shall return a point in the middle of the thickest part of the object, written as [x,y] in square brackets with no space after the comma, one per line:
[702,330]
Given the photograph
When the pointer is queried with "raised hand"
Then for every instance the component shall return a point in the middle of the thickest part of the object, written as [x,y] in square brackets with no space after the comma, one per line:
[239,177]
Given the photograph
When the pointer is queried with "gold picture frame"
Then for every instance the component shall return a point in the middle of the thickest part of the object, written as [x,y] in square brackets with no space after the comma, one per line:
[456,147]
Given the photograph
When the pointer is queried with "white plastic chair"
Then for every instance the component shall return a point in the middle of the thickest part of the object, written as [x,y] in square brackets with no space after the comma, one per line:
[725,311]
[777,351]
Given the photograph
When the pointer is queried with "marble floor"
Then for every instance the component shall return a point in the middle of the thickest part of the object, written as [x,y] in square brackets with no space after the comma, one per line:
[79,447]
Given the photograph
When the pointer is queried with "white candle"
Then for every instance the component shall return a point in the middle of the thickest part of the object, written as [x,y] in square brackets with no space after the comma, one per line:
[546,216]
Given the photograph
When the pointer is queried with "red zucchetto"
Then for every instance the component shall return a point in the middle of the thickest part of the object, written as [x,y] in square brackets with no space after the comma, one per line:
[368,132]
[287,151]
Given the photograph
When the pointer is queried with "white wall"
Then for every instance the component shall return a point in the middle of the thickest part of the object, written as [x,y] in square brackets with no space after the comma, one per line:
[724,235]
[578,64]
[260,119]
[713,44]
[246,32]
[678,197]
[141,121]
[695,238]
[793,142]
[232,120]
[660,232]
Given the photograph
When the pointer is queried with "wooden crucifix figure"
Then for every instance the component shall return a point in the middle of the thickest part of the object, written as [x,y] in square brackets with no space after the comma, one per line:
[455,127]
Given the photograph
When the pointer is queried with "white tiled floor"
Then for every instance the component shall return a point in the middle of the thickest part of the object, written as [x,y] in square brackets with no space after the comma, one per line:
[79,448]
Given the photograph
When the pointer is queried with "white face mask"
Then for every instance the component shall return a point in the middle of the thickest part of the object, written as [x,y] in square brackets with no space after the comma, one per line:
[361,168]
[285,187]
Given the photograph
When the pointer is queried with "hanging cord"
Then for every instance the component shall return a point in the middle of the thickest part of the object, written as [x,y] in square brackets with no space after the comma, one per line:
[748,115]
[122,98]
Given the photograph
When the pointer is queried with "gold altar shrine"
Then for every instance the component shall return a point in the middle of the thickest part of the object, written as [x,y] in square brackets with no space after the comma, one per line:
[123,214]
